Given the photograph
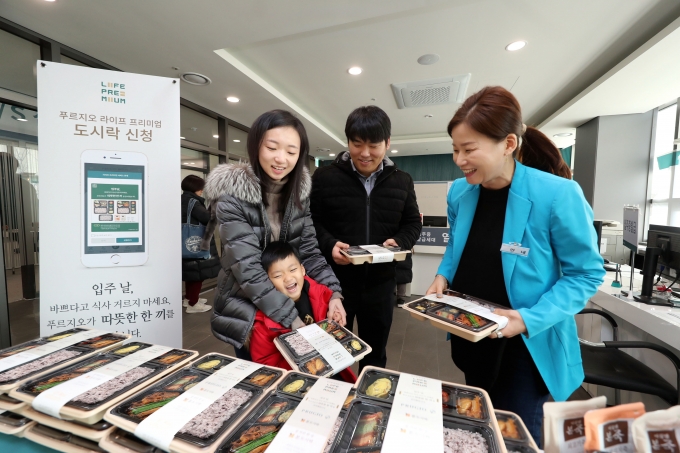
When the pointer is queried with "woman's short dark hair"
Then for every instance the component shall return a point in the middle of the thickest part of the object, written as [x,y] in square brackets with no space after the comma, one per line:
[276,251]
[193,183]
[369,124]
[273,120]
[496,113]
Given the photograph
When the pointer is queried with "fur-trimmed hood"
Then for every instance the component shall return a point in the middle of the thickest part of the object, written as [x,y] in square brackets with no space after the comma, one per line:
[239,181]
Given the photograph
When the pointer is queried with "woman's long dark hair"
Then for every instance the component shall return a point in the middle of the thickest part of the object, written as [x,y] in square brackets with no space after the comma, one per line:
[272,120]
[495,112]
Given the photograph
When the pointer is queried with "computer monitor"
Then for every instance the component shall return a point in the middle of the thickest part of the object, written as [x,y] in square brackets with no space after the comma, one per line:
[434,221]
[667,239]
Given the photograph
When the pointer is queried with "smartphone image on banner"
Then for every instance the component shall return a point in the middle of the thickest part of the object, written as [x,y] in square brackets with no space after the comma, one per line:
[114,178]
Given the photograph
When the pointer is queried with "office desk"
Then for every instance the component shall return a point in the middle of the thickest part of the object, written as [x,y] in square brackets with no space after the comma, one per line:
[637,322]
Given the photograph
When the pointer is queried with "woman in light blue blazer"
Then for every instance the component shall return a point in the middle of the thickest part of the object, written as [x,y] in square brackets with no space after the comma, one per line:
[524,239]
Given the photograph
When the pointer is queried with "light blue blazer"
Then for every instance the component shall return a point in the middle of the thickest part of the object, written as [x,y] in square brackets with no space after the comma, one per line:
[563,269]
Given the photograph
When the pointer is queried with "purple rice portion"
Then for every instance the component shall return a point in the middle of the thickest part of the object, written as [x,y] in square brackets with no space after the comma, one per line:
[37,365]
[107,389]
[298,343]
[463,441]
[334,434]
[208,422]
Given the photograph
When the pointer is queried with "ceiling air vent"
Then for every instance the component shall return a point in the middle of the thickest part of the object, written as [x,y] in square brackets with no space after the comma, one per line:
[445,90]
[194,78]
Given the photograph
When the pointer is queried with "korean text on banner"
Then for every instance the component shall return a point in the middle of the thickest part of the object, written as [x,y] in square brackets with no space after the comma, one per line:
[109,210]
[326,345]
[309,426]
[415,422]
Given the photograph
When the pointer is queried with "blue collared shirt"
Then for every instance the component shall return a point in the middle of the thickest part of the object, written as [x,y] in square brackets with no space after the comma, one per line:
[368,181]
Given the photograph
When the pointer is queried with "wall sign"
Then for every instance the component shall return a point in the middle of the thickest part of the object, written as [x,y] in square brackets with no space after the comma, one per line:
[437,236]
[110,239]
[631,227]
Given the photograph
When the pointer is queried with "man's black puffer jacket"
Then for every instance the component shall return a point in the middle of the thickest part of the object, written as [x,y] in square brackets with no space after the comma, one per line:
[235,198]
[342,211]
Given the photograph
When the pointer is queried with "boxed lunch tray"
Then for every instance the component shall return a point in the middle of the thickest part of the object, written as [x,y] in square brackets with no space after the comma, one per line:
[14,424]
[93,432]
[58,357]
[262,424]
[90,406]
[207,430]
[365,425]
[302,356]
[458,321]
[61,440]
[360,254]
[460,403]
[121,441]
[515,433]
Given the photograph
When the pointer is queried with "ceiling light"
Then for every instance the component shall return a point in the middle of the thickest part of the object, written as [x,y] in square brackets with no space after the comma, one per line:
[49,0]
[21,119]
[563,134]
[515,45]
[233,99]
[194,78]
[427,59]
[395,151]
[354,70]
[237,141]
[182,138]
[331,154]
[216,136]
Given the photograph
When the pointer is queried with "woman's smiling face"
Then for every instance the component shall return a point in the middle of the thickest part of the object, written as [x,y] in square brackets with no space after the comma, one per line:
[482,159]
[279,152]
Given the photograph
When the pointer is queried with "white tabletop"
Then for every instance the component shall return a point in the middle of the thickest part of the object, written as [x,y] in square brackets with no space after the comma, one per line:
[660,322]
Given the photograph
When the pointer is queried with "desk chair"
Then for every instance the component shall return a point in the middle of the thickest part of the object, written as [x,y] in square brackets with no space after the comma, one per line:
[604,364]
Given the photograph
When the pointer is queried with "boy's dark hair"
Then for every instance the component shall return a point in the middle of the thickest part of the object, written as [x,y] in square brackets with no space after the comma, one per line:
[276,251]
[369,124]
[193,183]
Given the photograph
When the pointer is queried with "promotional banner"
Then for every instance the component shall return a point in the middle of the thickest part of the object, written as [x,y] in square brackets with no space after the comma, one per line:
[109,161]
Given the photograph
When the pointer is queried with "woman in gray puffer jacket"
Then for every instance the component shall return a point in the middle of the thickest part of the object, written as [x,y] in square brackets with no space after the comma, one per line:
[253,205]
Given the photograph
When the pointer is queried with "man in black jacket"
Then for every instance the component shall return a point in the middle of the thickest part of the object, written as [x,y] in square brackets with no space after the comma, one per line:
[363,199]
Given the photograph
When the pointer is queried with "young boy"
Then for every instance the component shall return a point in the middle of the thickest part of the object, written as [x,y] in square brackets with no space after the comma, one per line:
[286,272]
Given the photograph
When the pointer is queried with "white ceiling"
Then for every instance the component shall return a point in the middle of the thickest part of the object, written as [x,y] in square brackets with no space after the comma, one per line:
[301,50]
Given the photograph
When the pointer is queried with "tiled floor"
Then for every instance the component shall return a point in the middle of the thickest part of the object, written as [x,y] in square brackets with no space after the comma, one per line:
[413,347]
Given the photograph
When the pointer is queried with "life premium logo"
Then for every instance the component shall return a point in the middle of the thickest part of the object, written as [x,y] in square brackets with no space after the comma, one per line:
[113,92]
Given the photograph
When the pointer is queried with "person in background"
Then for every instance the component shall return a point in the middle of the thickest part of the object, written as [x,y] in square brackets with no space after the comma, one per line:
[362,198]
[500,209]
[288,276]
[195,271]
[254,204]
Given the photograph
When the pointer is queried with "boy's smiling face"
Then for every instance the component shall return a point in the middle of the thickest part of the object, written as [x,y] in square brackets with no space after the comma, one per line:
[288,276]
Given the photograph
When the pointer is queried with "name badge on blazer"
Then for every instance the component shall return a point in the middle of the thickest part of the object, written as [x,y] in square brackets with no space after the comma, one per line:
[515,248]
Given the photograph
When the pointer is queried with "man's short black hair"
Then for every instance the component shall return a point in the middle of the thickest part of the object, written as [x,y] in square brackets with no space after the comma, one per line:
[276,251]
[369,124]
[193,183]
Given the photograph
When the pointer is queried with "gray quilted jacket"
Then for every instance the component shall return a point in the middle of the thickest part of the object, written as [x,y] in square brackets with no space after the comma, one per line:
[235,198]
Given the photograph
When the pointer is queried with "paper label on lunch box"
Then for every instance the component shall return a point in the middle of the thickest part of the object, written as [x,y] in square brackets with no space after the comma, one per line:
[380,254]
[52,346]
[615,436]
[330,349]
[471,307]
[159,428]
[665,440]
[572,435]
[415,422]
[52,400]
[311,423]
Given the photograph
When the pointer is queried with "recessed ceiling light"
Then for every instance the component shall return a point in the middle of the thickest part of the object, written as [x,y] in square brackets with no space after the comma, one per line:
[233,99]
[331,154]
[395,151]
[194,78]
[237,141]
[427,59]
[49,0]
[216,136]
[354,70]
[515,45]
[21,119]
[182,138]
[563,134]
